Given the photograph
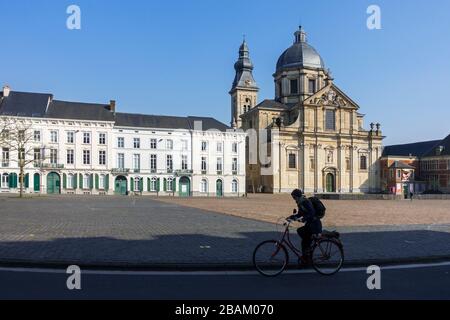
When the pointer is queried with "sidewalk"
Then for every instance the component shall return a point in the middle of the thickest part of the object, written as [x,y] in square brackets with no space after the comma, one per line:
[143,233]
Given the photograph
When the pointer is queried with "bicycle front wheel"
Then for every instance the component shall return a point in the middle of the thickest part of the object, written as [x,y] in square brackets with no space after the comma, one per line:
[270,258]
[327,257]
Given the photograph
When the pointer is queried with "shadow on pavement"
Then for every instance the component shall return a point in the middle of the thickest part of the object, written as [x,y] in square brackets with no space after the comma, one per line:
[206,250]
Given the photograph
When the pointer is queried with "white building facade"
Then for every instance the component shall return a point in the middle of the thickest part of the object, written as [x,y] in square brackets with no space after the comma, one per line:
[90,149]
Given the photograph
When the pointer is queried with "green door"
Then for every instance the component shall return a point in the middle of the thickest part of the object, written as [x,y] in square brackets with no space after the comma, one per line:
[406,191]
[184,187]
[37,182]
[219,188]
[331,183]
[121,186]
[53,183]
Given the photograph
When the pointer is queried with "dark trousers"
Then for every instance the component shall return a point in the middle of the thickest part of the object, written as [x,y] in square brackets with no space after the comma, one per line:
[306,236]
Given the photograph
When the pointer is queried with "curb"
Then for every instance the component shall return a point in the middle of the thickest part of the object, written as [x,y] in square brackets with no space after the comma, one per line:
[192,267]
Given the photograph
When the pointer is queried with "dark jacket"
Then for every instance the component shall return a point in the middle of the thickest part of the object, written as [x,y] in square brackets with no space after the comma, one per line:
[308,213]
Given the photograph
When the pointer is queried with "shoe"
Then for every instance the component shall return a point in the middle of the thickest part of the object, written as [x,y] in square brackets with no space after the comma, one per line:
[305,261]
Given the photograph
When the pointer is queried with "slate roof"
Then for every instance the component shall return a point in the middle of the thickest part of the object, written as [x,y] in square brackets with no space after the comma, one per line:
[167,122]
[25,104]
[271,104]
[79,111]
[418,149]
[446,148]
[401,165]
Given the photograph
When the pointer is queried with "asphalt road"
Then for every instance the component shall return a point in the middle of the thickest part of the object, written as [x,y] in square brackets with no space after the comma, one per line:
[400,282]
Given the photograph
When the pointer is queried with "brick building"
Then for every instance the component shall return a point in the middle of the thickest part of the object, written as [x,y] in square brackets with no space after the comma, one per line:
[416,167]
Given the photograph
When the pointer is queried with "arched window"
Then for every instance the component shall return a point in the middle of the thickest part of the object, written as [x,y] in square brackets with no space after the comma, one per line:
[247,105]
[86,181]
[101,182]
[204,186]
[5,181]
[235,186]
[70,181]
[153,184]
[169,184]
[137,184]
[363,162]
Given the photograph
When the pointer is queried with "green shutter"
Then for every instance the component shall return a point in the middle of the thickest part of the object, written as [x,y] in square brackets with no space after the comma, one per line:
[141,185]
[91,182]
[132,184]
[148,184]
[158,185]
[81,181]
[37,182]
[64,181]
[174,185]
[75,181]
[13,181]
[27,180]
[165,185]
[107,182]
[96,182]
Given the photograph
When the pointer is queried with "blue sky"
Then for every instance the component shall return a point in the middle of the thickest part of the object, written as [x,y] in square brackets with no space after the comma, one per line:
[176,57]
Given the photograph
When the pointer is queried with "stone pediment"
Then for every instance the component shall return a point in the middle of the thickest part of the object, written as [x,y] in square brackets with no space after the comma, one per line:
[331,96]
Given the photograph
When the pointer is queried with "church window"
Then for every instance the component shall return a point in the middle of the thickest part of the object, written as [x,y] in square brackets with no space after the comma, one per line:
[312,163]
[292,161]
[330,120]
[294,86]
[312,86]
[348,164]
[363,162]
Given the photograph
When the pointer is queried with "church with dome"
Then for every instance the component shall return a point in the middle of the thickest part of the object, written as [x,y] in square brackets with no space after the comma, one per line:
[311,136]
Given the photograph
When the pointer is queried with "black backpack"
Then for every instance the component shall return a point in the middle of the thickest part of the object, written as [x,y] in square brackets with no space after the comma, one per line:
[318,207]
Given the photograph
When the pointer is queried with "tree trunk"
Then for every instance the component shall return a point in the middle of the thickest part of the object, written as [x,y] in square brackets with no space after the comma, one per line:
[21,180]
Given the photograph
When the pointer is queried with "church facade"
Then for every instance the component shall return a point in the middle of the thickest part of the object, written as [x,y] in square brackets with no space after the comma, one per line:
[311,135]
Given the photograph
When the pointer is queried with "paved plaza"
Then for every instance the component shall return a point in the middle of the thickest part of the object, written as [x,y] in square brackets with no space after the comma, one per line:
[125,231]
[340,213]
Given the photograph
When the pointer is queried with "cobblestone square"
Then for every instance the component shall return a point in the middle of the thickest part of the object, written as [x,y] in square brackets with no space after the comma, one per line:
[340,213]
[145,232]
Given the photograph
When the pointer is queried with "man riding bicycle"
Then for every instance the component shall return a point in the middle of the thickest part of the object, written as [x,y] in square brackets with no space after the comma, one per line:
[313,226]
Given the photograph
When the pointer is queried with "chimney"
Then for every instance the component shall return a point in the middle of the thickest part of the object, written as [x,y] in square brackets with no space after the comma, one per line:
[6,91]
[112,106]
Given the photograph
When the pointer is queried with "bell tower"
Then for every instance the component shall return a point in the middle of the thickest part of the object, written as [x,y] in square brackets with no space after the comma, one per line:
[244,93]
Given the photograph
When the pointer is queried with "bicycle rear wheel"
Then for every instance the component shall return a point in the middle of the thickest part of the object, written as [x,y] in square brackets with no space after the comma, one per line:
[270,258]
[327,257]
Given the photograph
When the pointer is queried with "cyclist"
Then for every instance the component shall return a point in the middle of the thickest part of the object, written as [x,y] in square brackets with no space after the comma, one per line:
[306,214]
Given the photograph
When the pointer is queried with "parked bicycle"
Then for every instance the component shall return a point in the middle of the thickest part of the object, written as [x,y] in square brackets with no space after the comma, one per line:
[271,258]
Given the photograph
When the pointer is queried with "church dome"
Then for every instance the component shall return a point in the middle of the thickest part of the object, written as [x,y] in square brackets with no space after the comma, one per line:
[300,55]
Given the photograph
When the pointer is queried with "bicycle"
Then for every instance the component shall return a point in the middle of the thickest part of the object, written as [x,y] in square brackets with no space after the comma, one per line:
[271,257]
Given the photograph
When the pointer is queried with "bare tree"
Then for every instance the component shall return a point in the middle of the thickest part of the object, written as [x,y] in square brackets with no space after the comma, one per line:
[17,136]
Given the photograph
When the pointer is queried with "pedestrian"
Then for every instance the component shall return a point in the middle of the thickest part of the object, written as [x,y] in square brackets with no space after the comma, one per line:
[411,196]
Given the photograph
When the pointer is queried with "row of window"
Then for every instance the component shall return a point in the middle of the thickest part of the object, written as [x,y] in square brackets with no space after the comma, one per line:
[435,181]
[153,162]
[292,162]
[204,186]
[295,89]
[219,147]
[435,165]
[154,143]
[70,137]
[219,164]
